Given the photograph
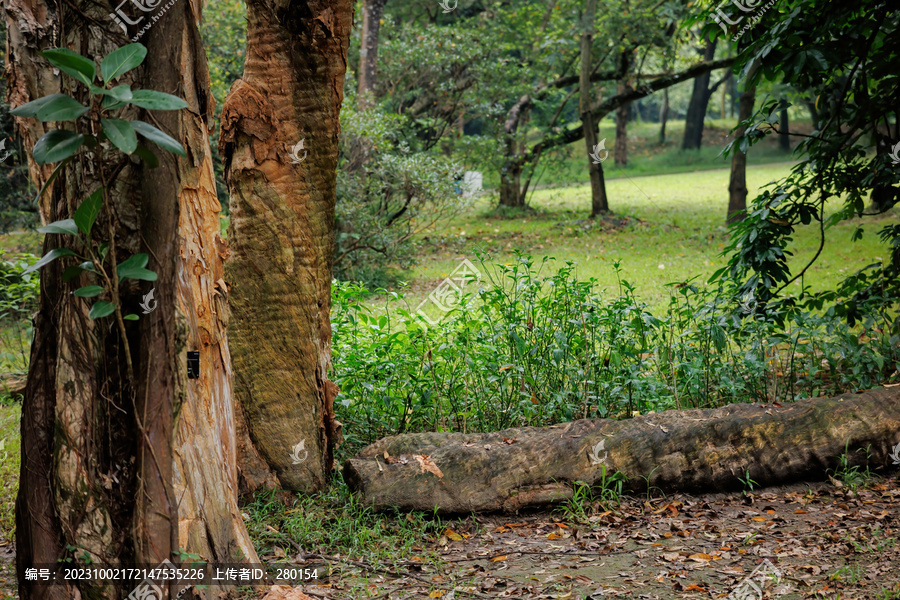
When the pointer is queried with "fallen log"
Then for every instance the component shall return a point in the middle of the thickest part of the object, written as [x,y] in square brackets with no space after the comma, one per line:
[13,385]
[689,450]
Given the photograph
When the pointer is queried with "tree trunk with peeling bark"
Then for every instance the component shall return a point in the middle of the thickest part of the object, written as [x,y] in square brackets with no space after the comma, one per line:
[282,235]
[128,469]
[690,450]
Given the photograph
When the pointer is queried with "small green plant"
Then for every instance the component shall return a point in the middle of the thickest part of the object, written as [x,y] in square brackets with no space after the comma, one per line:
[749,484]
[91,126]
[585,498]
[849,573]
[849,475]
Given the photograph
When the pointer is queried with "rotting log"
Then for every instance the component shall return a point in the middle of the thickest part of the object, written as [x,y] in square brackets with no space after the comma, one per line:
[690,451]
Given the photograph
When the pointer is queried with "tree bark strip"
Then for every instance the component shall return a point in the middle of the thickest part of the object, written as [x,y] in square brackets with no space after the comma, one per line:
[691,451]
[282,232]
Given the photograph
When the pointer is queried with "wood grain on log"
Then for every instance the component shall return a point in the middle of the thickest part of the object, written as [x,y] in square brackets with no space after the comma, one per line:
[690,450]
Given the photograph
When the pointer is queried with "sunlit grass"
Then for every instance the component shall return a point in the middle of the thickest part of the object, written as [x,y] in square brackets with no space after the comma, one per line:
[674,230]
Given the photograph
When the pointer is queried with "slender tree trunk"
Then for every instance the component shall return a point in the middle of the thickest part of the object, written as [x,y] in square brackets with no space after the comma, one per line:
[737,185]
[368,52]
[511,187]
[784,139]
[282,230]
[663,117]
[103,469]
[813,113]
[621,149]
[599,201]
[696,113]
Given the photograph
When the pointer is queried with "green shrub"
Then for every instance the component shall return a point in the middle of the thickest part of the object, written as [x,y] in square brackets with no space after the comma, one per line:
[18,301]
[526,348]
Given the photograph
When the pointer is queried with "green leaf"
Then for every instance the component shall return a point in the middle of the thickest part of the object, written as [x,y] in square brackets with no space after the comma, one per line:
[120,93]
[88,266]
[32,108]
[57,145]
[89,291]
[145,154]
[133,268]
[101,309]
[121,60]
[120,133]
[71,63]
[61,108]
[66,227]
[110,103]
[153,100]
[131,317]
[86,214]
[164,141]
[48,258]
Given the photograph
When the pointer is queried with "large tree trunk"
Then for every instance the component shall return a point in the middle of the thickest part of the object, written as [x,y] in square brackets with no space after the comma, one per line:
[737,185]
[102,466]
[368,51]
[696,113]
[691,450]
[599,201]
[282,231]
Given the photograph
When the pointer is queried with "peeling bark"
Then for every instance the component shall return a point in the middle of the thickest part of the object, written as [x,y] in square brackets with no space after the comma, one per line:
[103,468]
[690,450]
[282,234]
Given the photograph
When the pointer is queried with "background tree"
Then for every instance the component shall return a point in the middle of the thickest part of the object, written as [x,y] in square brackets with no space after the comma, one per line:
[845,61]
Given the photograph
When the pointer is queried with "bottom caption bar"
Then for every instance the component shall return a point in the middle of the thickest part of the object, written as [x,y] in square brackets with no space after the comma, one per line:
[190,574]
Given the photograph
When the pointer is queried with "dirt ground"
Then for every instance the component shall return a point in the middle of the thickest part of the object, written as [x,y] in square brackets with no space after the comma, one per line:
[820,541]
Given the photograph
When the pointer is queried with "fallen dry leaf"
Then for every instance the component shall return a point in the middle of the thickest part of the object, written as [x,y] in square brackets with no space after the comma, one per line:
[426,464]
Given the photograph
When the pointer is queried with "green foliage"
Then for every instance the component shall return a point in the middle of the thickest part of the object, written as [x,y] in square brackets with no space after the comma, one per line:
[749,484]
[18,301]
[586,499]
[850,475]
[61,145]
[385,202]
[845,62]
[337,522]
[521,348]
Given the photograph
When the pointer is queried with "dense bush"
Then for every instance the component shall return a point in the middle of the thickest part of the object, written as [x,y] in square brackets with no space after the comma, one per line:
[18,301]
[386,194]
[522,348]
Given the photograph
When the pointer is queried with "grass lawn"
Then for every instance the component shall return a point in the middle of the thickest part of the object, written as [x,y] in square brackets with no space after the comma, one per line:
[665,228]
